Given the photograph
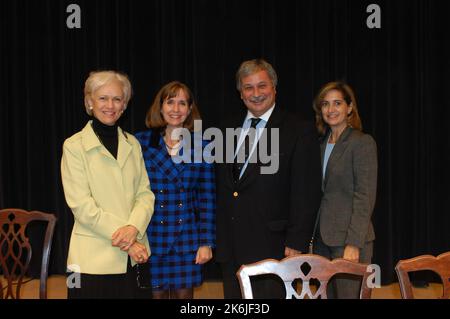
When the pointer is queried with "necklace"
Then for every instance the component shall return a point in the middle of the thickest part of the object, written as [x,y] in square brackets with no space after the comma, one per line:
[173,149]
[176,146]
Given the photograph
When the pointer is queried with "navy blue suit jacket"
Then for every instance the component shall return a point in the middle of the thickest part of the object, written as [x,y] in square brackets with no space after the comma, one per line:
[261,214]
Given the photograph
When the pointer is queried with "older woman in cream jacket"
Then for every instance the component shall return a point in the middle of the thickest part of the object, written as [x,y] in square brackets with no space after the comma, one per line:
[106,186]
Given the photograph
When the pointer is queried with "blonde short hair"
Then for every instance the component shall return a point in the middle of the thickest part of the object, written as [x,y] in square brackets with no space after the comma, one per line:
[97,79]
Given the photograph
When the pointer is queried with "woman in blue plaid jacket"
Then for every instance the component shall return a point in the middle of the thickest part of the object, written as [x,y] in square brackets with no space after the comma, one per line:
[182,230]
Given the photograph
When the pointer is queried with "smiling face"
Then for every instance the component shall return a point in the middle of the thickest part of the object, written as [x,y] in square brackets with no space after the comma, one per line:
[108,103]
[176,109]
[335,110]
[258,92]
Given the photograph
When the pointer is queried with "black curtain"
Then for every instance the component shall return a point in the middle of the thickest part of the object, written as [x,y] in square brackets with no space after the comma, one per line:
[400,74]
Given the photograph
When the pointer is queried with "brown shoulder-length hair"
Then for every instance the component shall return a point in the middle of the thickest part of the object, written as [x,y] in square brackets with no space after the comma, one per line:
[154,118]
[354,120]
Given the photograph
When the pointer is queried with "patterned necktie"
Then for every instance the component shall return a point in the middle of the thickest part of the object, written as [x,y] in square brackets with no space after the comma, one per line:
[244,150]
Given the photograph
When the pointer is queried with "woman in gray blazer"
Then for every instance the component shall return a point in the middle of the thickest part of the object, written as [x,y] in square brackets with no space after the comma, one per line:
[349,183]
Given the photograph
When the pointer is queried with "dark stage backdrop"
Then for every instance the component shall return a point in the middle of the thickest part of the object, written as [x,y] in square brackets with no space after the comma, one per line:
[400,73]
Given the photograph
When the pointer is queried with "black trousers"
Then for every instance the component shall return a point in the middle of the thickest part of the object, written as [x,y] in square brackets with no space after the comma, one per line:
[117,286]
[263,287]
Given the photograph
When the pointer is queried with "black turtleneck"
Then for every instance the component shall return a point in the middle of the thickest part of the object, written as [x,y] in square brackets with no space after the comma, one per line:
[107,135]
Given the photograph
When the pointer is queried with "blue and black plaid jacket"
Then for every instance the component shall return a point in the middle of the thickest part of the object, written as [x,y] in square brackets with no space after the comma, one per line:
[184,216]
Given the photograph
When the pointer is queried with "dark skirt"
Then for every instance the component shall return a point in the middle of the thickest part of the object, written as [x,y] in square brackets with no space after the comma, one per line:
[175,271]
[117,286]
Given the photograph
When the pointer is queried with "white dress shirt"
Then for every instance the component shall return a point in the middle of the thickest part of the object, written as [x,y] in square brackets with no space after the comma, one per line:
[259,130]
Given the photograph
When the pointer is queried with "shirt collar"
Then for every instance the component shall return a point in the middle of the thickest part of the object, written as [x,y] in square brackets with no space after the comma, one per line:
[265,117]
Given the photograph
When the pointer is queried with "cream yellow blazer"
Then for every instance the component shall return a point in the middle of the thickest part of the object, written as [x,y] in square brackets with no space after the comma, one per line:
[104,194]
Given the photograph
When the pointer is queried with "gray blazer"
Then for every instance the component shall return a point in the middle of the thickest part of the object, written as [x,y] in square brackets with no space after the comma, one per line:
[349,190]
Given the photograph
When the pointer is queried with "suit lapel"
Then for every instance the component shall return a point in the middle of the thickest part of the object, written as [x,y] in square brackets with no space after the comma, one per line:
[124,148]
[91,141]
[323,146]
[229,166]
[337,152]
[161,158]
[236,123]
[252,168]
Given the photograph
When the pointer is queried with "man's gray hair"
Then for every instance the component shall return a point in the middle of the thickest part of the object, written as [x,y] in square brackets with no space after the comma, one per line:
[251,67]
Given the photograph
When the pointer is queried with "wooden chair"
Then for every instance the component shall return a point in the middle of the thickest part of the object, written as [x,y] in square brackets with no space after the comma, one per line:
[16,251]
[439,264]
[305,267]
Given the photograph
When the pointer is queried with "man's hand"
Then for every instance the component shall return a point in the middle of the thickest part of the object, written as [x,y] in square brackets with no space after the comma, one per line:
[291,252]
[351,253]
[124,237]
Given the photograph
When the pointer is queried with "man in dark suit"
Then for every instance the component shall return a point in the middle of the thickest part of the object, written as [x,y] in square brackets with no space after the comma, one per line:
[265,215]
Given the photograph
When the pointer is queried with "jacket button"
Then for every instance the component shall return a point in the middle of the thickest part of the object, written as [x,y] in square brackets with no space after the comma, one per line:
[180,205]
[161,191]
[161,222]
[162,206]
[180,221]
[235,194]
